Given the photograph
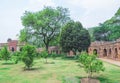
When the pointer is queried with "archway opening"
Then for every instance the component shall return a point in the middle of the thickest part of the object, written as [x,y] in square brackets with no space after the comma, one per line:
[105,53]
[109,53]
[12,49]
[95,51]
[116,53]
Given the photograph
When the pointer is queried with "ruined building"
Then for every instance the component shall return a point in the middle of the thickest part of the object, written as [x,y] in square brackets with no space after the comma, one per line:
[106,49]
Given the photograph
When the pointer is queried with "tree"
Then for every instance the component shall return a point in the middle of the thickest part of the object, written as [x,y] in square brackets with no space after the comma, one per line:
[109,30]
[90,63]
[45,24]
[5,54]
[23,35]
[27,55]
[101,33]
[74,37]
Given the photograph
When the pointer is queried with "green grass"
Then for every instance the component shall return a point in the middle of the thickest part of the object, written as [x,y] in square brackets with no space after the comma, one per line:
[56,71]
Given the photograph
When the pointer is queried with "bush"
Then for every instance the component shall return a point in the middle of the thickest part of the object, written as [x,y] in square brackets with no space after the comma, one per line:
[16,56]
[90,63]
[4,53]
[44,54]
[28,54]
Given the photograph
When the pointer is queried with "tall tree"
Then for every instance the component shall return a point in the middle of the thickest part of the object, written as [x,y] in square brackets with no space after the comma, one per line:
[46,23]
[74,37]
[101,33]
[109,30]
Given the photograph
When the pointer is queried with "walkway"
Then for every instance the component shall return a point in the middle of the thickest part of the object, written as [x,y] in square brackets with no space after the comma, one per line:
[111,61]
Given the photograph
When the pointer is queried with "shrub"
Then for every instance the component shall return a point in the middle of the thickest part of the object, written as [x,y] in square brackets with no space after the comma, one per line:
[54,55]
[90,63]
[16,56]
[28,53]
[44,54]
[4,53]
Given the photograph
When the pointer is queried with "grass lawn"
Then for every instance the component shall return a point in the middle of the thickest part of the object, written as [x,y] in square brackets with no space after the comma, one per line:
[61,71]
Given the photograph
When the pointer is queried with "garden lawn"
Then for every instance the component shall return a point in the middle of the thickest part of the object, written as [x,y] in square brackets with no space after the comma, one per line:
[56,71]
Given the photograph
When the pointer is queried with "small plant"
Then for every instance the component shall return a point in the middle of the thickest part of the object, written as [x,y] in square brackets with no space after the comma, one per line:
[53,55]
[44,54]
[28,53]
[4,53]
[90,63]
[16,56]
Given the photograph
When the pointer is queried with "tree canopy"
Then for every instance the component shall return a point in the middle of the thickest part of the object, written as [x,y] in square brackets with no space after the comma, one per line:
[44,25]
[109,30]
[74,37]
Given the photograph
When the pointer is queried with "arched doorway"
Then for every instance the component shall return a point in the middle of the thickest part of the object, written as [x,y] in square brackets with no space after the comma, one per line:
[12,49]
[95,51]
[109,52]
[116,53]
[105,53]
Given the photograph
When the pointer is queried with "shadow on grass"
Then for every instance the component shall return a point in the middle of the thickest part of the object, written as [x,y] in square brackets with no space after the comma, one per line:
[69,58]
[105,80]
[6,68]
[101,79]
[7,63]
[33,69]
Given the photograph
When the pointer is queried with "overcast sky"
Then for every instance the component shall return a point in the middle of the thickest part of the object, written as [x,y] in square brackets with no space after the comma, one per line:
[89,12]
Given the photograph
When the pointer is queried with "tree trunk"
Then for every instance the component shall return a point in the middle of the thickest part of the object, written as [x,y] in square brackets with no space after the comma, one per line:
[47,47]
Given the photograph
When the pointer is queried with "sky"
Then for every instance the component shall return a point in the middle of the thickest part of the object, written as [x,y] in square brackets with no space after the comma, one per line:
[89,12]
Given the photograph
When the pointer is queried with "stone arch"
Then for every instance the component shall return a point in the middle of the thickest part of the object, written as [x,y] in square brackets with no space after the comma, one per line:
[116,53]
[110,52]
[104,52]
[95,51]
[12,49]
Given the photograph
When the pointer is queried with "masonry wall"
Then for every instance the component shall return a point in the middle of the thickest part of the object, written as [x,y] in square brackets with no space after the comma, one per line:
[106,49]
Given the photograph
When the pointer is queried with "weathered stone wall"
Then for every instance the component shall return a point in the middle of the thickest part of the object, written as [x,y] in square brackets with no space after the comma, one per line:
[106,49]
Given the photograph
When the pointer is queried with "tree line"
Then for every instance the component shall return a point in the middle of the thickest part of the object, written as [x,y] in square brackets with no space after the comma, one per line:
[53,26]
[107,31]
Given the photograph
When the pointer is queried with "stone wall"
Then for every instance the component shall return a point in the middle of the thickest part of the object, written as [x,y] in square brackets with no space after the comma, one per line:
[106,49]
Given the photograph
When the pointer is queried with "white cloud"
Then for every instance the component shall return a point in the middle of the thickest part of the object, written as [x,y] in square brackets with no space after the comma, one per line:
[36,5]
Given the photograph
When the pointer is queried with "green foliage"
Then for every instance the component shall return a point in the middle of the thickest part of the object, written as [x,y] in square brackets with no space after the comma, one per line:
[109,30]
[16,56]
[28,54]
[4,53]
[23,35]
[54,55]
[74,37]
[43,26]
[91,63]
[44,54]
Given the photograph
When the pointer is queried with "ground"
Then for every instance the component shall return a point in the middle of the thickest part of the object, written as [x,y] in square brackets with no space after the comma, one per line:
[56,71]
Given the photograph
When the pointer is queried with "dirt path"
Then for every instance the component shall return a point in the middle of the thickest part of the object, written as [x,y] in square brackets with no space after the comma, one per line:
[111,61]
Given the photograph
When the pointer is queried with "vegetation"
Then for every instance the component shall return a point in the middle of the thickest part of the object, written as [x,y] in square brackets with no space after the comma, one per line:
[109,30]
[44,54]
[44,25]
[74,37]
[90,63]
[16,56]
[4,53]
[63,71]
[28,54]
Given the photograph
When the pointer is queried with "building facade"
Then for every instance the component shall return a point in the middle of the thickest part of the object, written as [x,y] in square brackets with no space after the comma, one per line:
[106,49]
[12,45]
